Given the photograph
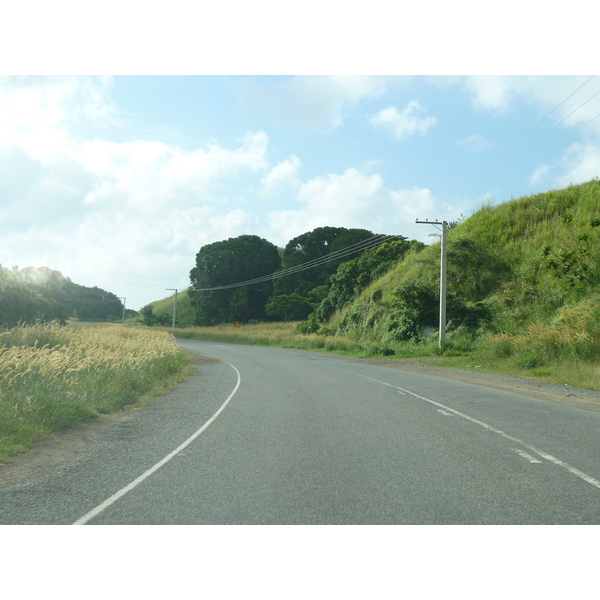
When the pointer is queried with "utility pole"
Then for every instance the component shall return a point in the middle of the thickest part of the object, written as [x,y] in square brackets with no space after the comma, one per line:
[444,225]
[118,298]
[174,304]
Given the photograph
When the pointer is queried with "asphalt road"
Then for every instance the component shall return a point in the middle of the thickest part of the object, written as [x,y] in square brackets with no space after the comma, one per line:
[271,436]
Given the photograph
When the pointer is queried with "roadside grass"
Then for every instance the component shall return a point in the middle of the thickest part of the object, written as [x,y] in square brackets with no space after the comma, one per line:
[52,377]
[566,351]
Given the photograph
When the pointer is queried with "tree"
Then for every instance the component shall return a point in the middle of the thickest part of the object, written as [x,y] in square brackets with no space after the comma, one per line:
[315,244]
[354,275]
[41,294]
[292,307]
[230,262]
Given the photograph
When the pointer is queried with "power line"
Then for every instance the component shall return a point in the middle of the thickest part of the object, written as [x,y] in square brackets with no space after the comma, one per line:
[347,251]
[519,139]
[536,141]
[378,239]
[551,147]
[364,245]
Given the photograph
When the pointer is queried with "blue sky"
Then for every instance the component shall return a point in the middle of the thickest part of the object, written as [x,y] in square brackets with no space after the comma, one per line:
[118,180]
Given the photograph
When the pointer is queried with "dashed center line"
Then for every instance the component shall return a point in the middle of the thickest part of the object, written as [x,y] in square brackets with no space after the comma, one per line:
[530,458]
[573,470]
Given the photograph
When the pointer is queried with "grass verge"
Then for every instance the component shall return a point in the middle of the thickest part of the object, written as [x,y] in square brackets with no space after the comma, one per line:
[52,377]
[575,365]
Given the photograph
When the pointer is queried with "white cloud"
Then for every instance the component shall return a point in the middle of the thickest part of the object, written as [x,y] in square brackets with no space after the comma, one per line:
[475,142]
[352,200]
[110,213]
[561,94]
[405,123]
[580,163]
[149,175]
[283,175]
[313,100]
[539,175]
[30,102]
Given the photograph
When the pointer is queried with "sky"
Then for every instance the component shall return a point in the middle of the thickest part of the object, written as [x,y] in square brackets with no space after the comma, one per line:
[117,180]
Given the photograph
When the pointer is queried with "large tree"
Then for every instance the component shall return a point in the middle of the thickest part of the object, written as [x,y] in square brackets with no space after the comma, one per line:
[316,244]
[230,262]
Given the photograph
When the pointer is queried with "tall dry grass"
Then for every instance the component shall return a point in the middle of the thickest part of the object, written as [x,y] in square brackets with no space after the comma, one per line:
[574,333]
[279,334]
[52,377]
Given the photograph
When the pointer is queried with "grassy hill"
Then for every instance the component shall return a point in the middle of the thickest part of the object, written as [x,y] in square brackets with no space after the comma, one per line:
[523,277]
[523,296]
[162,310]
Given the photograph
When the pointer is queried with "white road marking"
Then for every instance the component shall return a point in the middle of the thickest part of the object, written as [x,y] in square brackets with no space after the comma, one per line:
[549,457]
[444,412]
[102,507]
[527,456]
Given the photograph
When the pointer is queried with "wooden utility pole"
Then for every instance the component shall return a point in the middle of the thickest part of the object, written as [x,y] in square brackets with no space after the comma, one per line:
[444,225]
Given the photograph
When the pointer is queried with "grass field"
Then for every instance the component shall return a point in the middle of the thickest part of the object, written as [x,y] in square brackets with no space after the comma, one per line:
[52,377]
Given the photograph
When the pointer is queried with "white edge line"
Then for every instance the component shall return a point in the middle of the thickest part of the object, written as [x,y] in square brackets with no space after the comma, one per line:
[102,507]
[548,457]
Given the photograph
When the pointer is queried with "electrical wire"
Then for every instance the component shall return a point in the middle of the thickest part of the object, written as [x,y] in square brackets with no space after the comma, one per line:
[354,248]
[536,141]
[551,147]
[519,139]
[372,242]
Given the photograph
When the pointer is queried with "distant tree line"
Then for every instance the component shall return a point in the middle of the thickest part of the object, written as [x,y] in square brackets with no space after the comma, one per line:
[41,294]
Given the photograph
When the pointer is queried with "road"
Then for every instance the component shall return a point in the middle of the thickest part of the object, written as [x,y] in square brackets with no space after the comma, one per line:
[271,436]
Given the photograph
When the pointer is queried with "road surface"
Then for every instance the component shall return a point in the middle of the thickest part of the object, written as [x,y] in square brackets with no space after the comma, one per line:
[271,436]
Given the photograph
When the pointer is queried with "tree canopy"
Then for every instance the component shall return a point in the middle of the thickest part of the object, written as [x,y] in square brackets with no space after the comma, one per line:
[230,262]
[41,294]
[318,243]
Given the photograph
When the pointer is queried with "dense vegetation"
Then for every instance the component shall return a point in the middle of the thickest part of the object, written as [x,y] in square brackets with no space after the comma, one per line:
[40,294]
[311,246]
[523,286]
[531,264]
[227,263]
[290,283]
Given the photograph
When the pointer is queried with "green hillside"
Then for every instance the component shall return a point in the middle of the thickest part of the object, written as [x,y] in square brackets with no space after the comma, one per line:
[41,294]
[160,312]
[523,275]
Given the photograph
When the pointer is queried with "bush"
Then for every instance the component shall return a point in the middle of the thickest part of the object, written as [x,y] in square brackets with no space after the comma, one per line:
[311,325]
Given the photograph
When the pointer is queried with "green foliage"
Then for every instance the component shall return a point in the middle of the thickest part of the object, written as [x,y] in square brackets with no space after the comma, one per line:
[149,318]
[497,280]
[162,311]
[289,307]
[356,274]
[414,311]
[473,269]
[310,246]
[228,262]
[40,294]
[54,376]
[578,260]
[310,325]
